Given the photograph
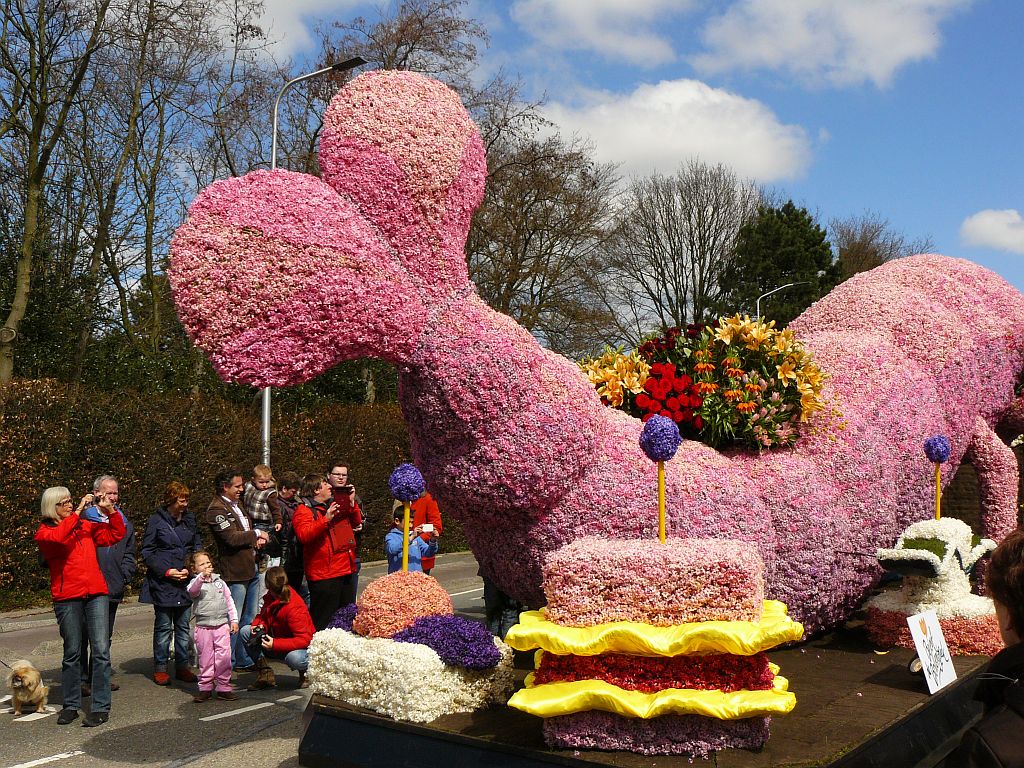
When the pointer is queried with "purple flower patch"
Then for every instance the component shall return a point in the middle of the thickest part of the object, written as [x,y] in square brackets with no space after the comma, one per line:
[343,618]
[458,641]
[937,449]
[660,438]
[406,483]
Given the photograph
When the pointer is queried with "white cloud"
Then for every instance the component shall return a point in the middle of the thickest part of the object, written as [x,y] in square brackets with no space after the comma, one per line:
[290,22]
[824,41]
[656,127]
[1002,230]
[620,30]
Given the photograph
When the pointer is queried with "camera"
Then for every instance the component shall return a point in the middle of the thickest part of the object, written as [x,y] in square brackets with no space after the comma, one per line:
[347,488]
[258,633]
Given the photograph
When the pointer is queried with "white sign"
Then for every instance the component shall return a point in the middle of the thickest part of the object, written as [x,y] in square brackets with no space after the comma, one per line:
[936,662]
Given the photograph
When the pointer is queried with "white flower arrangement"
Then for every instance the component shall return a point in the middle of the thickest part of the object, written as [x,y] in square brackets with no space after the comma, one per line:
[406,681]
[948,590]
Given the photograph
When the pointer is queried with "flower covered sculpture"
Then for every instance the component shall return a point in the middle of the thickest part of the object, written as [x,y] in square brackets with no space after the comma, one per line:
[277,276]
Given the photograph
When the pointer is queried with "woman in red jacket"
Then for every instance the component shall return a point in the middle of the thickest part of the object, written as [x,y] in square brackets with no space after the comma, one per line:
[282,629]
[80,597]
[328,547]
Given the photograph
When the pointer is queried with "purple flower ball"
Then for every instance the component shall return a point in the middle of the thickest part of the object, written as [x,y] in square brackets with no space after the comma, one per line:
[406,483]
[937,449]
[660,439]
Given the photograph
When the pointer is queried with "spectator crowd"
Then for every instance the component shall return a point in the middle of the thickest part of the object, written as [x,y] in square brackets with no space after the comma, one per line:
[285,559]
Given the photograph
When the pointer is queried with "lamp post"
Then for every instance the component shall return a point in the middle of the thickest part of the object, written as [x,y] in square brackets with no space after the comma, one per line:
[343,66]
[775,290]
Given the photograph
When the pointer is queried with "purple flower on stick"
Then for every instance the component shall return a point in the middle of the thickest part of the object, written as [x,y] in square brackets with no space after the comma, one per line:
[660,438]
[937,449]
[406,483]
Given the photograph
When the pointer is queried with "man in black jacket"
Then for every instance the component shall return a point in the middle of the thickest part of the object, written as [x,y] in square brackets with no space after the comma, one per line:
[117,563]
[997,740]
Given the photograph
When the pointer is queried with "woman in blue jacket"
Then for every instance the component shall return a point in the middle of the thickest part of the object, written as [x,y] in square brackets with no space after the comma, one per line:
[171,536]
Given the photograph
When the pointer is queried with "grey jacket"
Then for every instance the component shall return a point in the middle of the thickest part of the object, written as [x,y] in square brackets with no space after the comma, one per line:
[211,602]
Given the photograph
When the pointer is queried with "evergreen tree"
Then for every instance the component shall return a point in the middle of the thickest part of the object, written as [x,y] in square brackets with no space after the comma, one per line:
[780,245]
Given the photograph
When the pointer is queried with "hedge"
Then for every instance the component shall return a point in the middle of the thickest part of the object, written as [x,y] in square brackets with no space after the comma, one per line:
[54,435]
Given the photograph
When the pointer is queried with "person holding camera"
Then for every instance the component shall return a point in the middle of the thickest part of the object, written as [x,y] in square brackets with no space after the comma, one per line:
[67,542]
[427,517]
[419,549]
[117,563]
[327,532]
[283,629]
[344,493]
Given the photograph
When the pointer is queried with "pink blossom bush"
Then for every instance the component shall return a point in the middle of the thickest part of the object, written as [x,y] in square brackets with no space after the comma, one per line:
[965,635]
[596,581]
[278,276]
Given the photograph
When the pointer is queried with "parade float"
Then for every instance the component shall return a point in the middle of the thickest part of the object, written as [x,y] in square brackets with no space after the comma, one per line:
[515,440]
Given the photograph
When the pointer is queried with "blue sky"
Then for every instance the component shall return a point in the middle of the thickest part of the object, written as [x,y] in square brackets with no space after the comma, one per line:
[911,109]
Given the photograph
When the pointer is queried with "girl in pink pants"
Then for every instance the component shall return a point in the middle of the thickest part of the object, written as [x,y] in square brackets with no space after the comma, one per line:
[216,620]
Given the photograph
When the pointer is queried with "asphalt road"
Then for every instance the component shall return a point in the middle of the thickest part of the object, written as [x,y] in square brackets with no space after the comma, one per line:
[151,725]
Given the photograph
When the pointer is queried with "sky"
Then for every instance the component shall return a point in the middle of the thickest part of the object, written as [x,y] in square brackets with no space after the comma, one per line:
[909,109]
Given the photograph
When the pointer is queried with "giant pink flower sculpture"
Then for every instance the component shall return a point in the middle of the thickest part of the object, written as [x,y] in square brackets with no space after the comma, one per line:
[278,276]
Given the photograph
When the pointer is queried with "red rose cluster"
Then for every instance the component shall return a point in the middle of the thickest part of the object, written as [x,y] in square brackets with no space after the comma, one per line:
[672,396]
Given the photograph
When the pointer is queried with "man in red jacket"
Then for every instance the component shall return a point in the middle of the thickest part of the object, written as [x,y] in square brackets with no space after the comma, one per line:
[80,597]
[282,629]
[325,529]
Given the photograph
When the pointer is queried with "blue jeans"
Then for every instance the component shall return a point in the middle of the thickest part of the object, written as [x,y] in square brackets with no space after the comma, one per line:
[297,660]
[75,618]
[246,597]
[168,619]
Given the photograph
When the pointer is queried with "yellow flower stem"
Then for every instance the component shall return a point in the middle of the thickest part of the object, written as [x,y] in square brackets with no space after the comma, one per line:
[405,538]
[661,501]
[938,490]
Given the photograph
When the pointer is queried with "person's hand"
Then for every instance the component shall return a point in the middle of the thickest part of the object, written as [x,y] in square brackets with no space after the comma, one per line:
[234,627]
[332,511]
[357,528]
[417,530]
[352,495]
[267,642]
[104,503]
[208,569]
[277,527]
[85,502]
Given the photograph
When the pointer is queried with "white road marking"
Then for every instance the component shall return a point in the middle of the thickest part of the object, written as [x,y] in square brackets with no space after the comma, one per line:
[234,712]
[34,716]
[53,759]
[5,698]
[288,698]
[467,592]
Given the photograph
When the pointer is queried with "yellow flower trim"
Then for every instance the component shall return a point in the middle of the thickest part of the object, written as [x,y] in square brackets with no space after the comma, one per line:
[743,638]
[553,699]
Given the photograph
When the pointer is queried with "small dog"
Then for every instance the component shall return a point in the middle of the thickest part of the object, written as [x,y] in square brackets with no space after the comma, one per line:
[27,689]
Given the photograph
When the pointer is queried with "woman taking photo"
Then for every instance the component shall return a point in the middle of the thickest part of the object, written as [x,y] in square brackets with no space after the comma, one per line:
[171,536]
[80,599]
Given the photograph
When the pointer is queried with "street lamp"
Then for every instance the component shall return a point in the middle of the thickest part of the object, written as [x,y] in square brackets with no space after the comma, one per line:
[774,290]
[355,61]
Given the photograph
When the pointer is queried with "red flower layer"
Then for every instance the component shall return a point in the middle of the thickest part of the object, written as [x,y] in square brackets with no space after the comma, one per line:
[647,674]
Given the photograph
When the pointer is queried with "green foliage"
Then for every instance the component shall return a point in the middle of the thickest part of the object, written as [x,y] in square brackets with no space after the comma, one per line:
[936,546]
[53,436]
[781,245]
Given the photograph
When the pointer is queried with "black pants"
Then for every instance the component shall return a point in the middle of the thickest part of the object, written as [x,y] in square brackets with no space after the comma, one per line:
[326,596]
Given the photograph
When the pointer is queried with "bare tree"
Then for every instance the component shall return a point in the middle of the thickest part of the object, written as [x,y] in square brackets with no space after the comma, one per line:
[675,234]
[868,241]
[44,60]
[536,239]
